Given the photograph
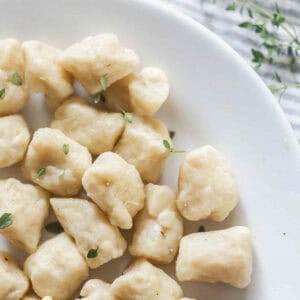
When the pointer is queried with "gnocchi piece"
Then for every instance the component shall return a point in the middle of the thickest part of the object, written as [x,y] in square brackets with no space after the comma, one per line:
[98,130]
[44,74]
[158,228]
[142,146]
[142,93]
[56,269]
[28,205]
[206,189]
[56,162]
[96,289]
[116,187]
[14,139]
[93,231]
[14,283]
[32,296]
[143,281]
[98,56]
[185,298]
[13,91]
[216,256]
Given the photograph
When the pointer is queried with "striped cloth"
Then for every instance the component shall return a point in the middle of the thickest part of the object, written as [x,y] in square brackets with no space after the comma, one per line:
[213,15]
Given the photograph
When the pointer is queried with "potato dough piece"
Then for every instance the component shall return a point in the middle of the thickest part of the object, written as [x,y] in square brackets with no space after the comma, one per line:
[14,139]
[223,255]
[96,289]
[97,56]
[32,296]
[98,130]
[116,187]
[143,93]
[206,189]
[44,74]
[143,281]
[47,164]
[13,283]
[142,146]
[56,269]
[158,227]
[84,221]
[29,207]
[11,61]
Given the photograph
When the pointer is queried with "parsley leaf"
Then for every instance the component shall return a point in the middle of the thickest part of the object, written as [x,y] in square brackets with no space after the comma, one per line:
[103,82]
[92,253]
[66,148]
[41,171]
[16,79]
[5,220]
[127,116]
[54,227]
[2,93]
[99,97]
[169,147]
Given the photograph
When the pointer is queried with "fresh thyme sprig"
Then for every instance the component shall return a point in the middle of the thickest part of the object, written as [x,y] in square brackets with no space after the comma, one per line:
[279,40]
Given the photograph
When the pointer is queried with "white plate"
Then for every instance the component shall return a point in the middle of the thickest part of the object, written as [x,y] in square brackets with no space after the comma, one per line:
[216,99]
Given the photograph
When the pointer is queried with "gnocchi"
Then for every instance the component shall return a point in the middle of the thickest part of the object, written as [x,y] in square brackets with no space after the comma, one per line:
[98,56]
[13,91]
[56,162]
[116,187]
[14,140]
[142,146]
[14,283]
[143,281]
[96,289]
[96,129]
[28,205]
[56,269]
[206,189]
[44,74]
[158,227]
[142,93]
[91,232]
[222,255]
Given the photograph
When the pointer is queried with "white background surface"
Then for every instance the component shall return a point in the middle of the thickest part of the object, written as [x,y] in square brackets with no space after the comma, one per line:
[215,99]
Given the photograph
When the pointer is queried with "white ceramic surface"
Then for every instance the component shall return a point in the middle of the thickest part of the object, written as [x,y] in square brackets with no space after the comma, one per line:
[215,99]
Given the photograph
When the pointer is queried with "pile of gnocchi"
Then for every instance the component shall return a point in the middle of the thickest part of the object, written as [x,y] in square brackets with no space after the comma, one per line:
[109,150]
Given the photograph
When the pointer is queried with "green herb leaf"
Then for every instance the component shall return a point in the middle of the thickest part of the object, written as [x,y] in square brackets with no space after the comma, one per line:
[231,7]
[99,97]
[201,229]
[16,79]
[41,171]
[169,147]
[127,116]
[103,82]
[278,78]
[54,227]
[66,148]
[5,220]
[246,24]
[93,253]
[2,93]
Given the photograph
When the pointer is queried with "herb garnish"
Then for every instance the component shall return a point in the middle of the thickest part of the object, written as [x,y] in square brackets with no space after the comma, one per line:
[171,149]
[100,96]
[41,171]
[127,116]
[16,79]
[66,148]
[201,228]
[5,220]
[279,40]
[54,227]
[92,253]
[2,93]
